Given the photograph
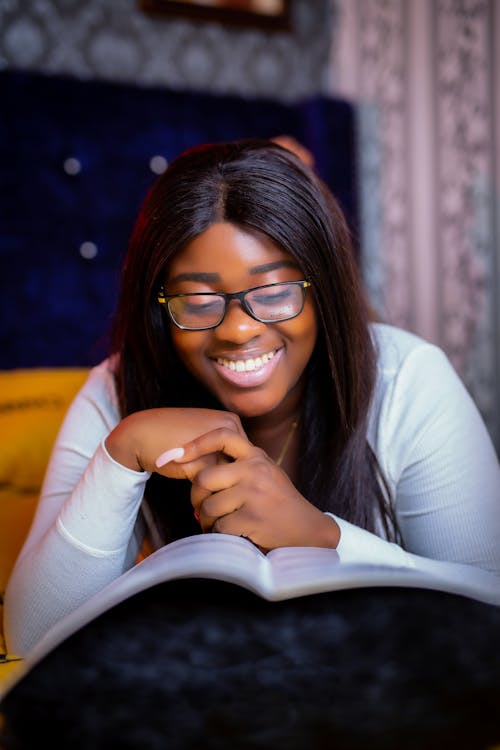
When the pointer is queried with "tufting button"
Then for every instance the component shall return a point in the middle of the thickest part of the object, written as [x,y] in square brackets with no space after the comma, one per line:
[72,165]
[158,164]
[88,250]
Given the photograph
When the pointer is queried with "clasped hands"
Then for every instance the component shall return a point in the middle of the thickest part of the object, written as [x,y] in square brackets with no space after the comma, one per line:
[236,487]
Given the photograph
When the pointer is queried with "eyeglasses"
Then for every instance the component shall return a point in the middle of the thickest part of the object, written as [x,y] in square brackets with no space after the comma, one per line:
[271,303]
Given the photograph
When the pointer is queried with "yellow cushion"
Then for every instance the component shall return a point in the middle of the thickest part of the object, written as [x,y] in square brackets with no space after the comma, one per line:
[11,669]
[32,406]
[16,512]
[33,403]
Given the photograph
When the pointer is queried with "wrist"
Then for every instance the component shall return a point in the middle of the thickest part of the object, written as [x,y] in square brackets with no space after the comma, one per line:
[119,448]
[330,532]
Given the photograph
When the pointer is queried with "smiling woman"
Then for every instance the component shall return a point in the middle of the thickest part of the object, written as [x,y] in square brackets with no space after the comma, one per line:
[248,393]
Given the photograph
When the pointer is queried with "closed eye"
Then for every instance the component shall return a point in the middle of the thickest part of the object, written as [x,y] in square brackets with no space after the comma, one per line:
[270,298]
[200,307]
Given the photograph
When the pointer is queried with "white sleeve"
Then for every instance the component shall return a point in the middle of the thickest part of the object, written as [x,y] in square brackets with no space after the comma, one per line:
[83,533]
[442,470]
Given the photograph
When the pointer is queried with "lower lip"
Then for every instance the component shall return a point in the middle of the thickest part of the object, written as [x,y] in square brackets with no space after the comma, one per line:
[251,378]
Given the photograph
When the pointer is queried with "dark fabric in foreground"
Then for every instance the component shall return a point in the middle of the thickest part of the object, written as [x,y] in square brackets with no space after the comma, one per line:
[205,664]
[55,305]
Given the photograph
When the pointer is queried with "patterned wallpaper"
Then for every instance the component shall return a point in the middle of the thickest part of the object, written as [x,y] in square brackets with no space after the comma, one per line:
[116,41]
[426,77]
[470,252]
[384,178]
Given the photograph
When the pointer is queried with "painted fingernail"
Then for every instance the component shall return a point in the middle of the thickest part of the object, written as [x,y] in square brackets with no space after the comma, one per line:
[197,516]
[170,455]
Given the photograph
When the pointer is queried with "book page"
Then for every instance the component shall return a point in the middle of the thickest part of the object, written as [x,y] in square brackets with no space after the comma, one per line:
[221,556]
[306,570]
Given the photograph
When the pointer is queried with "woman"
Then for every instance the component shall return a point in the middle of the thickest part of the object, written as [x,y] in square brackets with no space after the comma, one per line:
[248,394]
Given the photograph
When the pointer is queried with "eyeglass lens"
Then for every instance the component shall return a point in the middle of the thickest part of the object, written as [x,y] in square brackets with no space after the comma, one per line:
[268,304]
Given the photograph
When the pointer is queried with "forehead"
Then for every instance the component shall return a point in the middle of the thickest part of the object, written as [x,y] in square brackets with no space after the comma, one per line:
[225,250]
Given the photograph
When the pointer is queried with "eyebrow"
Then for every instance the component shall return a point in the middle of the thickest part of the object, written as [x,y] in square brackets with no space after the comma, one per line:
[210,278]
[203,278]
[265,267]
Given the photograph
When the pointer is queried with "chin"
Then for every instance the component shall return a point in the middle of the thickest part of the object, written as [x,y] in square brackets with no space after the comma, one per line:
[247,412]
[246,405]
[263,410]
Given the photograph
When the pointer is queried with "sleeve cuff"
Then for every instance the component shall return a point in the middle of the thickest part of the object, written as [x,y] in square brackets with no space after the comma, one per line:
[145,474]
[357,545]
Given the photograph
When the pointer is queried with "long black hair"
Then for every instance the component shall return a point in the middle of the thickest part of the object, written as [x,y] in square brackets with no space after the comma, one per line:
[261,187]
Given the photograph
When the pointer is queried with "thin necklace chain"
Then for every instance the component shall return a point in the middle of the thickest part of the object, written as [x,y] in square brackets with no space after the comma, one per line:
[287,442]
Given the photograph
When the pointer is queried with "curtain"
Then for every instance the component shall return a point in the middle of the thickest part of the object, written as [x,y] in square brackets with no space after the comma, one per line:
[425,77]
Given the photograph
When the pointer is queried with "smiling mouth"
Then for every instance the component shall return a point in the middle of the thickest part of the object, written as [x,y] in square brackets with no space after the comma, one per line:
[251,372]
[246,365]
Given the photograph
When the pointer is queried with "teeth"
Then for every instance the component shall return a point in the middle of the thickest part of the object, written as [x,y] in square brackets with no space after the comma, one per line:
[246,365]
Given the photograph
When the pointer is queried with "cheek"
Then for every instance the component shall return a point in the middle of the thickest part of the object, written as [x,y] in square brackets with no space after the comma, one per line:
[189,345]
[306,331]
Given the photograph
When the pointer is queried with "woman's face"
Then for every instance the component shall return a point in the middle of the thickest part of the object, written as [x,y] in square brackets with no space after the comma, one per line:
[252,368]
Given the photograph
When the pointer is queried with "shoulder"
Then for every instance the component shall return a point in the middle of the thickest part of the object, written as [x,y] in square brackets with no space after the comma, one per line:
[411,368]
[397,348]
[412,374]
[419,399]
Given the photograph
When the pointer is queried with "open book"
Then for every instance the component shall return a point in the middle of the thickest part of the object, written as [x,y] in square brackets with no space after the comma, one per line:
[283,573]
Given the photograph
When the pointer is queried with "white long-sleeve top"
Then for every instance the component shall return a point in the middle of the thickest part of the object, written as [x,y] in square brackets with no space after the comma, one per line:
[427,434]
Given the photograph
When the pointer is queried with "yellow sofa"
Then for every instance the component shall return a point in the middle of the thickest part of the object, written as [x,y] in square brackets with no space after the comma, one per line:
[32,405]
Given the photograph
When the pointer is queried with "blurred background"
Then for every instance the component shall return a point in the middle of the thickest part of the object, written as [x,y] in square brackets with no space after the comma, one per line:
[407,92]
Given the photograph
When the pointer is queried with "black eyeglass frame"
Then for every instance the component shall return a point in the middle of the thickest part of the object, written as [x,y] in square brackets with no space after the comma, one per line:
[164,300]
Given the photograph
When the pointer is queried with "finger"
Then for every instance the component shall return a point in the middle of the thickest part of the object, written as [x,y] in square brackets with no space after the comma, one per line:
[201,446]
[173,470]
[221,440]
[171,455]
[214,507]
[222,476]
[215,478]
[189,470]
[233,523]
[201,494]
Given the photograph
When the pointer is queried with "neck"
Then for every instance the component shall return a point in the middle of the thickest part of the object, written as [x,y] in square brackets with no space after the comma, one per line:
[277,437]
[270,431]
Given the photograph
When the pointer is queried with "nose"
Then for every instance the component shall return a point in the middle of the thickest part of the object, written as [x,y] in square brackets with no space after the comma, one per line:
[238,326]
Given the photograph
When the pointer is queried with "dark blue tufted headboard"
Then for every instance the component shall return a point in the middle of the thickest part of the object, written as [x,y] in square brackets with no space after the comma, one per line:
[55,301]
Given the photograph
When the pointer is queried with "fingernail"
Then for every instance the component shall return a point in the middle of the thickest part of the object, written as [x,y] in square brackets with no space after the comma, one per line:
[197,516]
[170,455]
